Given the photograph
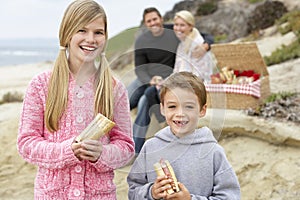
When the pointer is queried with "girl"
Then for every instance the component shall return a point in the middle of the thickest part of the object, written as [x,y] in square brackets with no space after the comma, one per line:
[58,105]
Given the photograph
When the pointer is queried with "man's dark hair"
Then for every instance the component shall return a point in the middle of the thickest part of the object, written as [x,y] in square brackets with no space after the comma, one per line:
[149,10]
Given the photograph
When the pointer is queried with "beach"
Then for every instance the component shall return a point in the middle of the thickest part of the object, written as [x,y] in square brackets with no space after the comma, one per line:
[264,153]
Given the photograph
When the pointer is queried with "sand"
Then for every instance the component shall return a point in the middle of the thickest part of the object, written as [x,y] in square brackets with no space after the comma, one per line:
[263,153]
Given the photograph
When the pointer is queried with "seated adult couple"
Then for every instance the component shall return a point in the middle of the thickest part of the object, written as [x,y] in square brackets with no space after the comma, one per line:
[160,51]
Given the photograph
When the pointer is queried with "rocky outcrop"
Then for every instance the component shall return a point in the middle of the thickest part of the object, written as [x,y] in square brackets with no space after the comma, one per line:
[229,20]
[226,20]
[283,106]
[265,14]
[226,123]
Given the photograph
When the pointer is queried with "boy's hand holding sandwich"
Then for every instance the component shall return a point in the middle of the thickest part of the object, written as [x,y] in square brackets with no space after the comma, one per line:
[166,185]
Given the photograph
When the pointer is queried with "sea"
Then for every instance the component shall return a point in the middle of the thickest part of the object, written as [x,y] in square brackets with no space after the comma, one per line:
[27,51]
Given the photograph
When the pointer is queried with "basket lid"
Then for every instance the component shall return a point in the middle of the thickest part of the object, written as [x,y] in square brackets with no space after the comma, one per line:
[242,56]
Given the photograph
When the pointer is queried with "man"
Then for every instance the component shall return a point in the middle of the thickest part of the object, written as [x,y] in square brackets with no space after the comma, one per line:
[155,53]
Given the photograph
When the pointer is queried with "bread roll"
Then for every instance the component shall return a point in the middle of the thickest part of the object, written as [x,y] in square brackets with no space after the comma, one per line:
[96,129]
[164,168]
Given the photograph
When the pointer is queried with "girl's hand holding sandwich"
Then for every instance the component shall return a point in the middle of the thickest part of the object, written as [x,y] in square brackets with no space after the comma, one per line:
[87,150]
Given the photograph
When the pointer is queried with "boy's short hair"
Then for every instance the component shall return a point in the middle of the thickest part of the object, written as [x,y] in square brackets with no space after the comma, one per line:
[185,80]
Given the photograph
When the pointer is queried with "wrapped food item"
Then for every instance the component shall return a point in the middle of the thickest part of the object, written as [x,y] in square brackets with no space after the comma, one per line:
[226,76]
[244,80]
[163,167]
[230,76]
[216,79]
[96,129]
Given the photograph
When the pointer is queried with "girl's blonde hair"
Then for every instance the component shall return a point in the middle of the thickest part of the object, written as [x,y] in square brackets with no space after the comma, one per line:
[188,18]
[78,14]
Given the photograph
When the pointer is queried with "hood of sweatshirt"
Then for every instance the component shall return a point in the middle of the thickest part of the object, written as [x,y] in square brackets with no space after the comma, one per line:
[201,135]
[166,145]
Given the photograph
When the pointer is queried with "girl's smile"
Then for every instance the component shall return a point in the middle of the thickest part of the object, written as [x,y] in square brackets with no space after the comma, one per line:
[88,48]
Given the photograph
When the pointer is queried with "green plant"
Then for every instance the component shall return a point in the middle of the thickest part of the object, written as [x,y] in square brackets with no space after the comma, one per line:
[121,42]
[255,1]
[220,38]
[288,22]
[293,22]
[11,97]
[285,53]
[279,95]
[207,8]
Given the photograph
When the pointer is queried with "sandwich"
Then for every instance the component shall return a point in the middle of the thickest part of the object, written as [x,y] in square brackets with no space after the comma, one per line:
[163,167]
[98,127]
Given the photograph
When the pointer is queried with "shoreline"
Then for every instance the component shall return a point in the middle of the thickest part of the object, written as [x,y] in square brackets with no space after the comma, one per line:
[15,78]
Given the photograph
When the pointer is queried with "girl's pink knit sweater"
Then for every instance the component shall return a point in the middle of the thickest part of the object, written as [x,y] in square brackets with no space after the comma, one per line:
[60,174]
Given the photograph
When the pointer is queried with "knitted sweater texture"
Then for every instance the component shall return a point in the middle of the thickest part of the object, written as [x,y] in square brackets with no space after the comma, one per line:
[60,174]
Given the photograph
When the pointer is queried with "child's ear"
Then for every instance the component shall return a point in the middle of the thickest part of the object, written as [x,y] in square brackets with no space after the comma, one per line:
[162,110]
[203,111]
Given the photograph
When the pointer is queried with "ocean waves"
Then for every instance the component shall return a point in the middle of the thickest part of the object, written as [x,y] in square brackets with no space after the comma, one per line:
[27,51]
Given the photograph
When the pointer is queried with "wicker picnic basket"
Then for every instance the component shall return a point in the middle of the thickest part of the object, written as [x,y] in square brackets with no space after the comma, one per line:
[242,56]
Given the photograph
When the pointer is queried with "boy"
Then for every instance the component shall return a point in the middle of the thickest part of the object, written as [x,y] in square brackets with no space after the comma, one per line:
[200,164]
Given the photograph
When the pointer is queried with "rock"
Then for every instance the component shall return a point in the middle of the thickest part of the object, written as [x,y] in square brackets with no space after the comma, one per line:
[284,109]
[265,14]
[231,19]
[225,123]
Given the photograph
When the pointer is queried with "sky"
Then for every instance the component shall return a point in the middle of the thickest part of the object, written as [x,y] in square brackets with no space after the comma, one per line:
[41,18]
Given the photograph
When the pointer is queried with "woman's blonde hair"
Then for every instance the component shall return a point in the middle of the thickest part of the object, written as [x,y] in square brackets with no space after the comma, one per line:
[78,14]
[188,18]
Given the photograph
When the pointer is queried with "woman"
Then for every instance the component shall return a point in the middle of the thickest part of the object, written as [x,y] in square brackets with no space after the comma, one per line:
[184,28]
[59,104]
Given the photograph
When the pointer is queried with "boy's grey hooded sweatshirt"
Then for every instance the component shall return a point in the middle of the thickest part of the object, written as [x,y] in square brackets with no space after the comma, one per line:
[198,160]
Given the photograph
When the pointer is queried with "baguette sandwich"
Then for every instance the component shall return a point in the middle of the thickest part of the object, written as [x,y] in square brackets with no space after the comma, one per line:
[98,127]
[163,167]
